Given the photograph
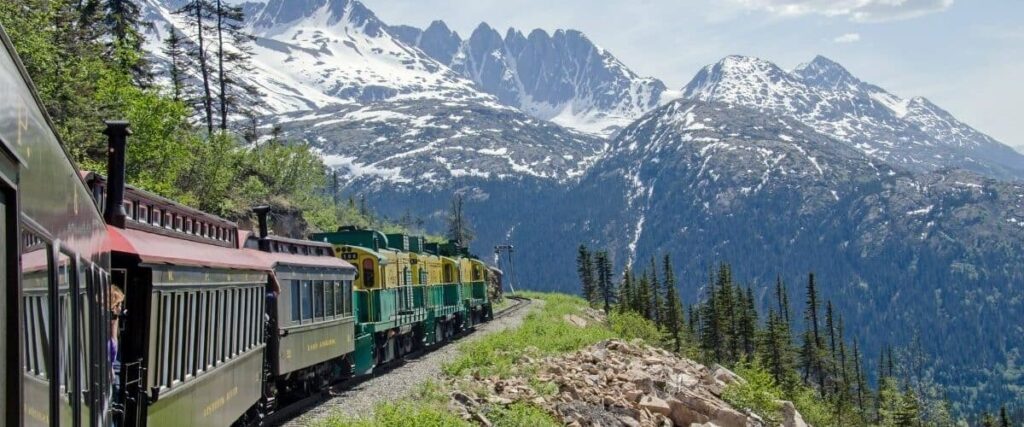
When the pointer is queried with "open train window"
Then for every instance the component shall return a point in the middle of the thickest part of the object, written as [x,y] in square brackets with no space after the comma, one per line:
[143,214]
[318,299]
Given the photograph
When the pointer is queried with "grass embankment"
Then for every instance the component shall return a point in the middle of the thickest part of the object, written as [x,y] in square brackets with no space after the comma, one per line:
[543,332]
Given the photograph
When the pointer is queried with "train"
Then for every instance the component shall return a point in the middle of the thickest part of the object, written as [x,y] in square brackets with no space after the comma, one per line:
[219,325]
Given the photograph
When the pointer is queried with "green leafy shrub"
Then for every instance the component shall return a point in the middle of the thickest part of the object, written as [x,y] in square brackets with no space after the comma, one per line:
[542,333]
[758,394]
[631,325]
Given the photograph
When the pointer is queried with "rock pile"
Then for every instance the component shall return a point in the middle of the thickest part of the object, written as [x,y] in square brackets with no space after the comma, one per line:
[615,383]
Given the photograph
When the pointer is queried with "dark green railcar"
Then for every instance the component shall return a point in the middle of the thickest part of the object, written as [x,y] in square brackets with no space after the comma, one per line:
[54,271]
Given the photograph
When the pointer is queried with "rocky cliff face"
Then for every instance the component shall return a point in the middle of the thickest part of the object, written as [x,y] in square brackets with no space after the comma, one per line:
[563,77]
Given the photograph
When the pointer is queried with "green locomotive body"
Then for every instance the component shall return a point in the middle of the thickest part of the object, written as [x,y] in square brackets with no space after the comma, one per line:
[410,294]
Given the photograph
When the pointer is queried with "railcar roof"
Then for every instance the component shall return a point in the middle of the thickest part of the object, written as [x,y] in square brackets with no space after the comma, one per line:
[299,241]
[158,249]
[279,258]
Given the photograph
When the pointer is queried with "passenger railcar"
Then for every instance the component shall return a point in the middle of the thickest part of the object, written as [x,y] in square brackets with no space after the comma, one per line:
[311,322]
[54,316]
[192,341]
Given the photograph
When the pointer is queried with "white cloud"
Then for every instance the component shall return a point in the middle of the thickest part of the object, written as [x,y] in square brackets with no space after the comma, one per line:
[855,10]
[847,38]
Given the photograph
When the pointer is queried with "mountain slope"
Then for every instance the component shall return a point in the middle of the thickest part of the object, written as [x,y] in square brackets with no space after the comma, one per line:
[562,77]
[899,253]
[912,133]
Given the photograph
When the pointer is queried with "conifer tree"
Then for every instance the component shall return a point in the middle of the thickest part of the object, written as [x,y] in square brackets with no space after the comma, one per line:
[643,300]
[747,322]
[812,346]
[987,420]
[196,14]
[655,306]
[232,60]
[861,381]
[626,291]
[669,282]
[673,315]
[1004,419]
[710,330]
[782,297]
[585,270]
[124,23]
[175,48]
[605,282]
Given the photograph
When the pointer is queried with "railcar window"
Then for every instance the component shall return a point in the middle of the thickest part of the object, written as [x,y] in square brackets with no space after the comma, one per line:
[329,298]
[211,329]
[318,299]
[306,296]
[217,330]
[232,313]
[129,209]
[296,317]
[178,343]
[190,338]
[346,293]
[199,361]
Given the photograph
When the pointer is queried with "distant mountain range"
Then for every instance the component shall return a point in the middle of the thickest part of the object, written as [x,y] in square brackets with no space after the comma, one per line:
[913,220]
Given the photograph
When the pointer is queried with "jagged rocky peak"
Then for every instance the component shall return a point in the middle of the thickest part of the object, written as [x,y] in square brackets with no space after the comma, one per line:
[326,13]
[824,72]
[560,76]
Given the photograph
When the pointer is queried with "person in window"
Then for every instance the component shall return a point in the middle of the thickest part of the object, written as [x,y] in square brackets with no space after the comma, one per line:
[116,311]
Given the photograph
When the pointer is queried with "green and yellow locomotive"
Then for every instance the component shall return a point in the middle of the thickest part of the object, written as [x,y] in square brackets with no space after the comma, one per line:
[409,293]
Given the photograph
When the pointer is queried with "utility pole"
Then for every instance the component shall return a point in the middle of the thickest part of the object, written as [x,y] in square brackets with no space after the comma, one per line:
[508,250]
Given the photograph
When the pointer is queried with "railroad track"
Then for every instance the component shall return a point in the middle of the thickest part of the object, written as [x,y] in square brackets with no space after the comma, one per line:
[297,408]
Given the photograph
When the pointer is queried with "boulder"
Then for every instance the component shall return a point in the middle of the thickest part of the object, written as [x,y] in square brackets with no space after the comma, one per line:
[790,416]
[655,405]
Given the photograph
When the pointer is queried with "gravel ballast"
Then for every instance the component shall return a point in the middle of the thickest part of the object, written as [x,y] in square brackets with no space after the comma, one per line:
[401,381]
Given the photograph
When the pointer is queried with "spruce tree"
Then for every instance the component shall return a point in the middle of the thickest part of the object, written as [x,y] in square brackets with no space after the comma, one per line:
[669,282]
[860,380]
[585,270]
[626,291]
[673,309]
[124,26]
[643,295]
[232,61]
[813,345]
[175,48]
[605,284]
[710,331]
[782,298]
[656,304]
[1004,419]
[748,322]
[196,14]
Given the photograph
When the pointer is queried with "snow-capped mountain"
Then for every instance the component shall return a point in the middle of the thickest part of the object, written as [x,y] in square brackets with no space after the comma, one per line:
[561,77]
[382,111]
[912,133]
[895,251]
[309,54]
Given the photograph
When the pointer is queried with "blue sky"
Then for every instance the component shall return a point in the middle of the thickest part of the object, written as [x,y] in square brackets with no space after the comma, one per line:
[967,56]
